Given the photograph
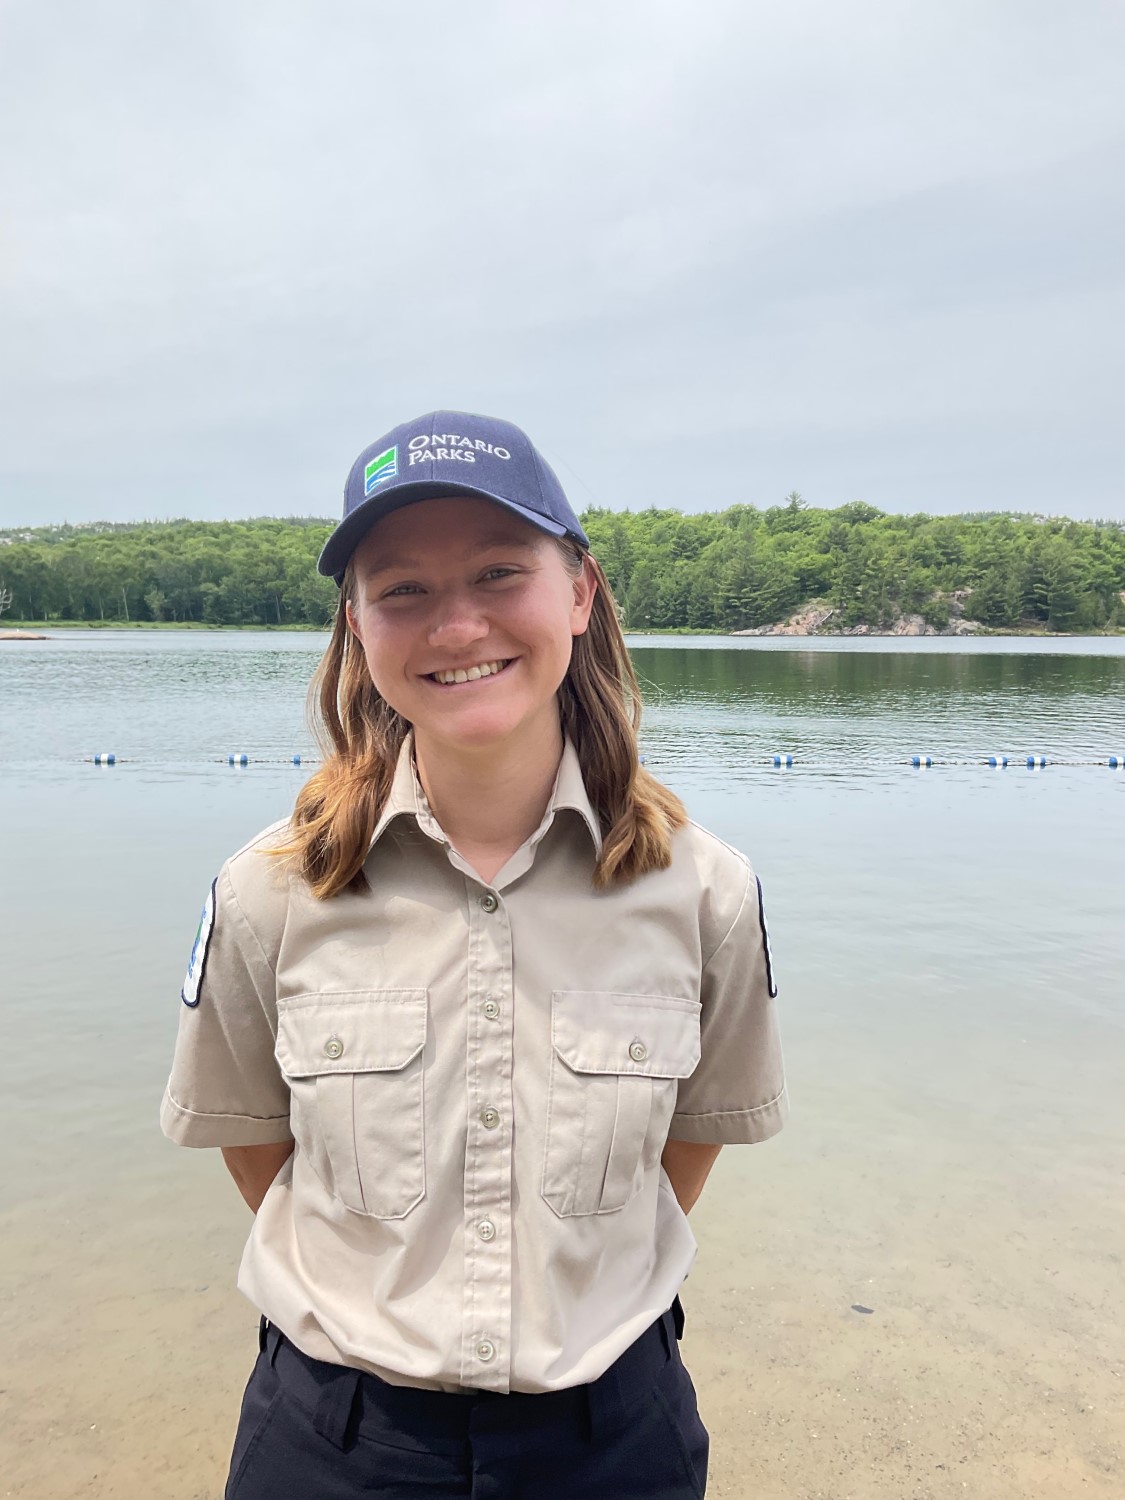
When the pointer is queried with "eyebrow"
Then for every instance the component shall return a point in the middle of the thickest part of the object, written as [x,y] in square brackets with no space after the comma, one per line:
[486,544]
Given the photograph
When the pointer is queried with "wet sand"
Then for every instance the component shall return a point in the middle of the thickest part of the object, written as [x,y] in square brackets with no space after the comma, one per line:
[990,1363]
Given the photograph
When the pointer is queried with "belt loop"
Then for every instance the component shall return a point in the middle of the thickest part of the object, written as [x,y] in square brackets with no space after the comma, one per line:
[667,1335]
[335,1406]
[273,1340]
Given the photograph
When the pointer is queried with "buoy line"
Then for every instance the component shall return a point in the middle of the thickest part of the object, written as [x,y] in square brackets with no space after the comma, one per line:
[781,759]
[233,758]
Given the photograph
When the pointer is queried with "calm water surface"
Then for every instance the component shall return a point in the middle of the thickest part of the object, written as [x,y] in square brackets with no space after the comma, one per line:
[950,947]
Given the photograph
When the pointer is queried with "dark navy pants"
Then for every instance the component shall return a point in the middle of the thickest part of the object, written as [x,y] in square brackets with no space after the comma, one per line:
[316,1431]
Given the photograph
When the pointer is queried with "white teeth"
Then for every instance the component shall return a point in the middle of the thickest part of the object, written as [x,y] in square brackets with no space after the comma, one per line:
[486,669]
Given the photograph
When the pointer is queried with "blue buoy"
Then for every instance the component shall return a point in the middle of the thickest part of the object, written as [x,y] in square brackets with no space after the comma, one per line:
[783,760]
[1116,762]
[921,760]
[642,760]
[296,760]
[238,760]
[1036,762]
[106,758]
[997,761]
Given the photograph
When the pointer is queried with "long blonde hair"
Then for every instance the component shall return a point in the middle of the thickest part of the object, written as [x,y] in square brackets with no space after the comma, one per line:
[336,811]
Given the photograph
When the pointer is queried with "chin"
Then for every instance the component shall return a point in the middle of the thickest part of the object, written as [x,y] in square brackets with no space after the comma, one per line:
[471,730]
[475,736]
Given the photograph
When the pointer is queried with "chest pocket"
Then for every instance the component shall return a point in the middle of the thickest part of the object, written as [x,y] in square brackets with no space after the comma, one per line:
[615,1062]
[353,1062]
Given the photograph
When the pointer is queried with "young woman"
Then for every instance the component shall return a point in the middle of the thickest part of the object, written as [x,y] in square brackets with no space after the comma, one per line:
[472,1026]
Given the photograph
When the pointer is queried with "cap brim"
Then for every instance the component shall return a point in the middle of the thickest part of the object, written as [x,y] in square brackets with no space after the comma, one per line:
[350,532]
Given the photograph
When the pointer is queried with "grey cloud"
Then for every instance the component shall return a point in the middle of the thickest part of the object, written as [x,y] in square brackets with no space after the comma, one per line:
[701,252]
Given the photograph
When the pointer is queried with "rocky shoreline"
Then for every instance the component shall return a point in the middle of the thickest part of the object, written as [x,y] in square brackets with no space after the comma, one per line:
[813,620]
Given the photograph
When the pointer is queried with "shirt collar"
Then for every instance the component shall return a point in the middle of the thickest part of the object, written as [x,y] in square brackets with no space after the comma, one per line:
[407,797]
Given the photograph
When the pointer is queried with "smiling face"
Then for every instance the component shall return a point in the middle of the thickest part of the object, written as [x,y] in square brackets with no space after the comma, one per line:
[462,585]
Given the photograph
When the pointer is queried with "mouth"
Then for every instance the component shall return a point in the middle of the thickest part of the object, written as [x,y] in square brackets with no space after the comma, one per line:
[484,672]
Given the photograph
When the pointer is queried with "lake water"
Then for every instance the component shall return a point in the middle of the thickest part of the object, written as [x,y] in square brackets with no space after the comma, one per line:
[949,945]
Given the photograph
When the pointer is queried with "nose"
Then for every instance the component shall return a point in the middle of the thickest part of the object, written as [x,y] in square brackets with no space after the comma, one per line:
[457,622]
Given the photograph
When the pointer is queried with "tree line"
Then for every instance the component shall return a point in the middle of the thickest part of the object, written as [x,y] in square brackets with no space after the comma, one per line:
[734,569]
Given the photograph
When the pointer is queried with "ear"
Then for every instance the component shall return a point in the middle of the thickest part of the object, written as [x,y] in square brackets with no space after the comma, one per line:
[353,623]
[585,588]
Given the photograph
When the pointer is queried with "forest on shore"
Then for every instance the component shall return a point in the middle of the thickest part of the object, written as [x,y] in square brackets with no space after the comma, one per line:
[736,569]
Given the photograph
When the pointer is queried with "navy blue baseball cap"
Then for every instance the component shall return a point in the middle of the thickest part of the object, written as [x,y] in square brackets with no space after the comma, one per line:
[448,453]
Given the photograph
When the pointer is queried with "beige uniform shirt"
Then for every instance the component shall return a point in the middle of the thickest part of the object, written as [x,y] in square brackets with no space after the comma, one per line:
[480,1079]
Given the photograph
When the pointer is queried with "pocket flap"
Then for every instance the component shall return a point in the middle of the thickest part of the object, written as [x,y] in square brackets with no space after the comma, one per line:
[350,1031]
[604,1031]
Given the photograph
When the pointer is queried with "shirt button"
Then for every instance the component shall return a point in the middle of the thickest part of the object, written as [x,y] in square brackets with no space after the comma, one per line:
[486,1349]
[491,1009]
[333,1047]
[638,1051]
[486,1229]
[489,1118]
[488,902]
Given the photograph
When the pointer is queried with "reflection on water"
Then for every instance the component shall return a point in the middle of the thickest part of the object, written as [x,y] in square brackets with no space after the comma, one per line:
[949,946]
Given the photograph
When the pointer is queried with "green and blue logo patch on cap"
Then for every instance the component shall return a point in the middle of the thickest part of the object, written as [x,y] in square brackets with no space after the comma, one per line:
[383,466]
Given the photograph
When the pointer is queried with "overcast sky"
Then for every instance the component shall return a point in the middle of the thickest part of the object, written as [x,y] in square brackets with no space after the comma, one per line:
[702,252]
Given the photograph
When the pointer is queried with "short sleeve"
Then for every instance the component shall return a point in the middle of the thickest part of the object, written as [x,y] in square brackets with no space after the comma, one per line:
[737,1092]
[226,1088]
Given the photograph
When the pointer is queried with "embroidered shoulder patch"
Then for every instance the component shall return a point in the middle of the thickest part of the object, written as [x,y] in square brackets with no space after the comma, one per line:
[189,994]
[770,981]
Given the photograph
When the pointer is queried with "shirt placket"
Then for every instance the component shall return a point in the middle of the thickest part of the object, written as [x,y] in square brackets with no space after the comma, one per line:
[486,1345]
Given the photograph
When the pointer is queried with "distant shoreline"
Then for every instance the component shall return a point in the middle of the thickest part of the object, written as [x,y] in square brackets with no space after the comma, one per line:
[19,628]
[23,630]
